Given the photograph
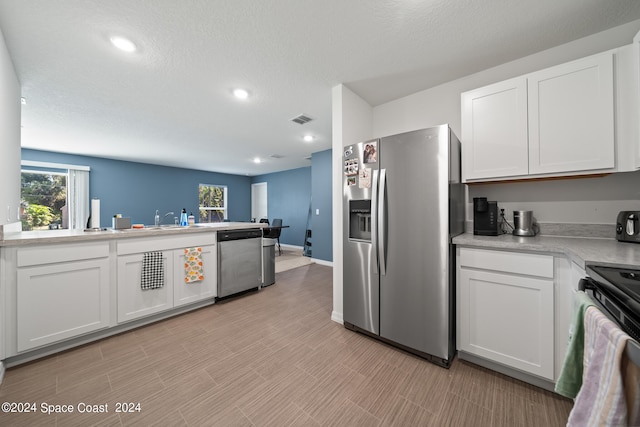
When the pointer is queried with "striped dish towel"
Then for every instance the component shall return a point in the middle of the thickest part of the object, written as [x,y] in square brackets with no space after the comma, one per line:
[193,268]
[152,271]
[601,400]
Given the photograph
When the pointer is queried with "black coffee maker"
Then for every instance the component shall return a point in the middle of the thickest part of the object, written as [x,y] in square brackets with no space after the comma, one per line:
[485,217]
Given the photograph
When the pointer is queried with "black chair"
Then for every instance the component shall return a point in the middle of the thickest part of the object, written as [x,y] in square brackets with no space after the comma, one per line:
[274,233]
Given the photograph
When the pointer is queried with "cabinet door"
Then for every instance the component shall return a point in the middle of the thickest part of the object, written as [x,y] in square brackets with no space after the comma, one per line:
[571,121]
[185,293]
[133,301]
[61,301]
[508,319]
[494,130]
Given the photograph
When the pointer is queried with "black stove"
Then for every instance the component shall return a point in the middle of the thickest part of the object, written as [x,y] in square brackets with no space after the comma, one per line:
[617,291]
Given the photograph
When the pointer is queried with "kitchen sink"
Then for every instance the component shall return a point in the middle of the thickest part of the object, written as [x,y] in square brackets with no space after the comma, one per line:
[150,228]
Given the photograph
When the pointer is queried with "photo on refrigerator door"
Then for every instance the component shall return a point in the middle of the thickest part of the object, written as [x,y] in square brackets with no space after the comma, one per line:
[351,167]
[370,152]
[364,178]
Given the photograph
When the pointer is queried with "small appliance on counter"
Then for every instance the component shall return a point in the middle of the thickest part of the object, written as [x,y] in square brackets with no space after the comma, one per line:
[120,223]
[523,224]
[628,227]
[485,217]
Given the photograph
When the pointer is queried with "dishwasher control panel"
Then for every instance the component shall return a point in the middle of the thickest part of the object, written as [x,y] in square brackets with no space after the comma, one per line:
[250,233]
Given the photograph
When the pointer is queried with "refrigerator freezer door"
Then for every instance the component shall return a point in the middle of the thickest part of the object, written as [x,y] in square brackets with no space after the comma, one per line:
[360,274]
[415,306]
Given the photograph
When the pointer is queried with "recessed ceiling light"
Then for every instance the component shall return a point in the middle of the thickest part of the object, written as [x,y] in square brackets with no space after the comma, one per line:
[123,44]
[308,138]
[257,160]
[240,93]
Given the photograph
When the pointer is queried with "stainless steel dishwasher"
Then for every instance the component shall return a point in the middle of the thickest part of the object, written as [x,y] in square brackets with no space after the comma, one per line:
[239,261]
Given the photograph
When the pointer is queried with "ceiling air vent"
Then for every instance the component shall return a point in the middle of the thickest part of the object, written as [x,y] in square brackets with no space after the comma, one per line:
[276,156]
[301,119]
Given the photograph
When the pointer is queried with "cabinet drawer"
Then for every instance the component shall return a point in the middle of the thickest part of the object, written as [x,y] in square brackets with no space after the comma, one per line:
[61,253]
[161,243]
[508,262]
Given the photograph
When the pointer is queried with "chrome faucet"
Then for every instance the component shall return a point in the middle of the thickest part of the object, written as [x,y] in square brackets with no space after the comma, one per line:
[157,220]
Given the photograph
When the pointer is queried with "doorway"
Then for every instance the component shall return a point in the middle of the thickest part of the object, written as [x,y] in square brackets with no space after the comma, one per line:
[259,201]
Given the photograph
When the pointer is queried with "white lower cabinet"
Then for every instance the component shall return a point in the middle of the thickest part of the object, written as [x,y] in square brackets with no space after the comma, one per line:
[135,302]
[55,296]
[506,308]
[62,291]
[185,293]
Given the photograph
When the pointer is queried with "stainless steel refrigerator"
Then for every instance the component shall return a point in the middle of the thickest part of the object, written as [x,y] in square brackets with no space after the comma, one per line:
[403,203]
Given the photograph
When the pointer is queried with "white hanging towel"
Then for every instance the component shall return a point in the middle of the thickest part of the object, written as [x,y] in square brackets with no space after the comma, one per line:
[601,400]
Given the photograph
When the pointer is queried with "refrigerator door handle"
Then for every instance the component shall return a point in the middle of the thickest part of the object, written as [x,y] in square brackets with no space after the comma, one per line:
[381,221]
[374,220]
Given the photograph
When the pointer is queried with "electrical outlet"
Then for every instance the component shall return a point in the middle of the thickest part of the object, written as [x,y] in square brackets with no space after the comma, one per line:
[317,211]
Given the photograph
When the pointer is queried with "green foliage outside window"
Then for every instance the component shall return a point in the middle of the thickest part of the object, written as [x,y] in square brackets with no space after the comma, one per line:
[36,216]
[212,202]
[43,197]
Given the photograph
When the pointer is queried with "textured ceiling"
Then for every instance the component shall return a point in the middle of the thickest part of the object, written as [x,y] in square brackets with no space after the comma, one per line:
[170,102]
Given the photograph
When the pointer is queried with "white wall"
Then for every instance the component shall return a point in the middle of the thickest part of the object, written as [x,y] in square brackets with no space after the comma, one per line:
[9,138]
[352,120]
[441,104]
[586,200]
[9,162]
[551,201]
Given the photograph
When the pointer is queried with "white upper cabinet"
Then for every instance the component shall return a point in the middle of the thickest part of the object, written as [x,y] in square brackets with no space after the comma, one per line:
[557,121]
[494,130]
[571,124]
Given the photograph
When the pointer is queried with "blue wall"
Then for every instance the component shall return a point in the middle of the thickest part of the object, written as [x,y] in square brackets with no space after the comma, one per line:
[322,224]
[136,190]
[288,197]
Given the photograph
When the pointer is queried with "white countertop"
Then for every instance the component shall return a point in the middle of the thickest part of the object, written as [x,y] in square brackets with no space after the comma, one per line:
[71,236]
[581,250]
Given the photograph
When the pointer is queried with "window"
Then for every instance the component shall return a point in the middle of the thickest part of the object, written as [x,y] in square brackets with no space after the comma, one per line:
[213,202]
[54,196]
[43,200]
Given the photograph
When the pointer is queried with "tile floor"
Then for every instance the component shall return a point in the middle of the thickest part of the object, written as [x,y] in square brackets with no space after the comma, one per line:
[269,358]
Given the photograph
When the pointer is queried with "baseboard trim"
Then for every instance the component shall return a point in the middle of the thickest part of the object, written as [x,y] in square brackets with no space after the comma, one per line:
[322,262]
[300,248]
[291,247]
[511,372]
[2,371]
[337,317]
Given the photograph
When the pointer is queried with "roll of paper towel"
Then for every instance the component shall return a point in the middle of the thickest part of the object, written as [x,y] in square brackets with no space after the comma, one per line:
[95,213]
